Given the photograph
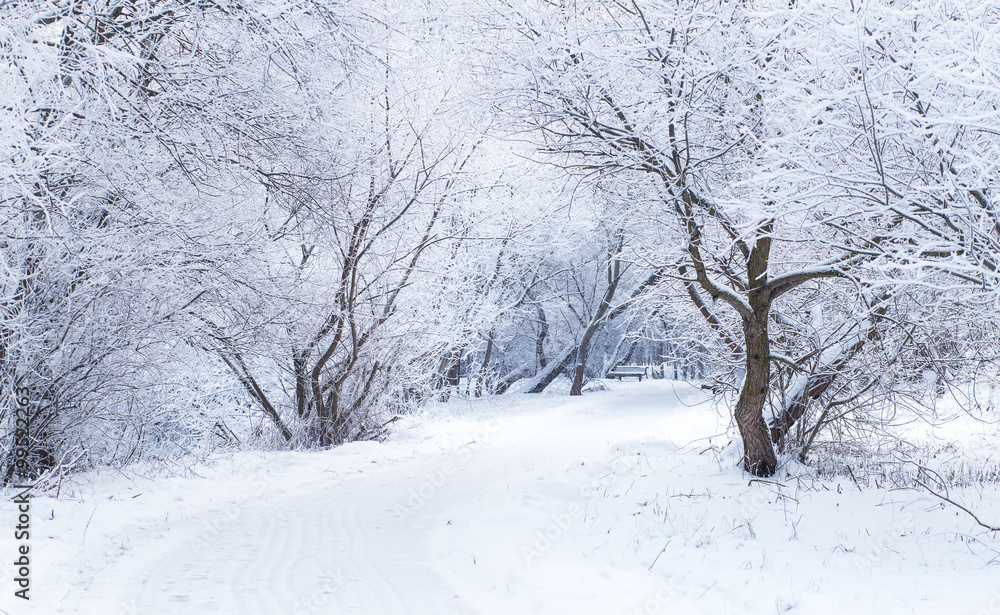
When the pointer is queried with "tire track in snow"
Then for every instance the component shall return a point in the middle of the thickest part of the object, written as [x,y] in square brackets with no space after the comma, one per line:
[374,589]
[340,545]
[318,549]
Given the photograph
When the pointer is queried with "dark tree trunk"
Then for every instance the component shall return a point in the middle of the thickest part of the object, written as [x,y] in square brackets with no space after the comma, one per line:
[510,378]
[552,371]
[614,277]
[449,372]
[758,453]
[324,414]
[543,331]
[299,365]
[454,372]
[487,356]
[577,388]
[581,358]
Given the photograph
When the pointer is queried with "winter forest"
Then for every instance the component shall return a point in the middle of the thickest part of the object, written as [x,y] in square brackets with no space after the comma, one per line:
[276,227]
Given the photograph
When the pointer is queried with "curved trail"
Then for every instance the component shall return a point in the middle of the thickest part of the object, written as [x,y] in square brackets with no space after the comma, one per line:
[434,534]
[623,502]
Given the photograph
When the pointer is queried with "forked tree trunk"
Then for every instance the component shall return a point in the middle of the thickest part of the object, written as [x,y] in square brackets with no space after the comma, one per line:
[614,277]
[758,453]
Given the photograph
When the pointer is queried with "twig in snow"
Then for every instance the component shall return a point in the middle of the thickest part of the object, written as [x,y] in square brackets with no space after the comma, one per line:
[851,472]
[629,489]
[956,504]
[658,555]
[86,527]
[766,482]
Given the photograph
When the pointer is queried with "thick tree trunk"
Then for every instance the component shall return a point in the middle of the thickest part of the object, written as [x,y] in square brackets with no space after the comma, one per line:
[449,371]
[552,371]
[758,453]
[614,277]
[324,414]
[543,331]
[512,377]
[581,359]
[454,373]
[577,388]
[301,369]
[488,355]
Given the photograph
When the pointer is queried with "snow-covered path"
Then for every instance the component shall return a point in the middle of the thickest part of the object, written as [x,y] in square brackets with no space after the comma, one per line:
[405,537]
[620,502]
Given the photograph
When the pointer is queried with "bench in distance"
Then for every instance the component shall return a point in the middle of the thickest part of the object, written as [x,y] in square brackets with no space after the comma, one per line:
[628,371]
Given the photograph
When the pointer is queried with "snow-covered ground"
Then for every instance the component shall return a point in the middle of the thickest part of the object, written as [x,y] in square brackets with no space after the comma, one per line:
[625,501]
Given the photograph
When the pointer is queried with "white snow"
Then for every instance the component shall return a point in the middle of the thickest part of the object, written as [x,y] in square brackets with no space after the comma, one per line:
[625,501]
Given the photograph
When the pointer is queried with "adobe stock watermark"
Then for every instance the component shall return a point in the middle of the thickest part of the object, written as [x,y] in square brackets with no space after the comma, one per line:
[993,608]
[22,470]
[878,546]
[311,603]
[223,519]
[544,538]
[435,480]
[752,502]
[664,595]
[314,601]
[560,522]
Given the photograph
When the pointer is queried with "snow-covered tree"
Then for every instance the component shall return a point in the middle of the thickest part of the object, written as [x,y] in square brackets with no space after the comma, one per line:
[694,96]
